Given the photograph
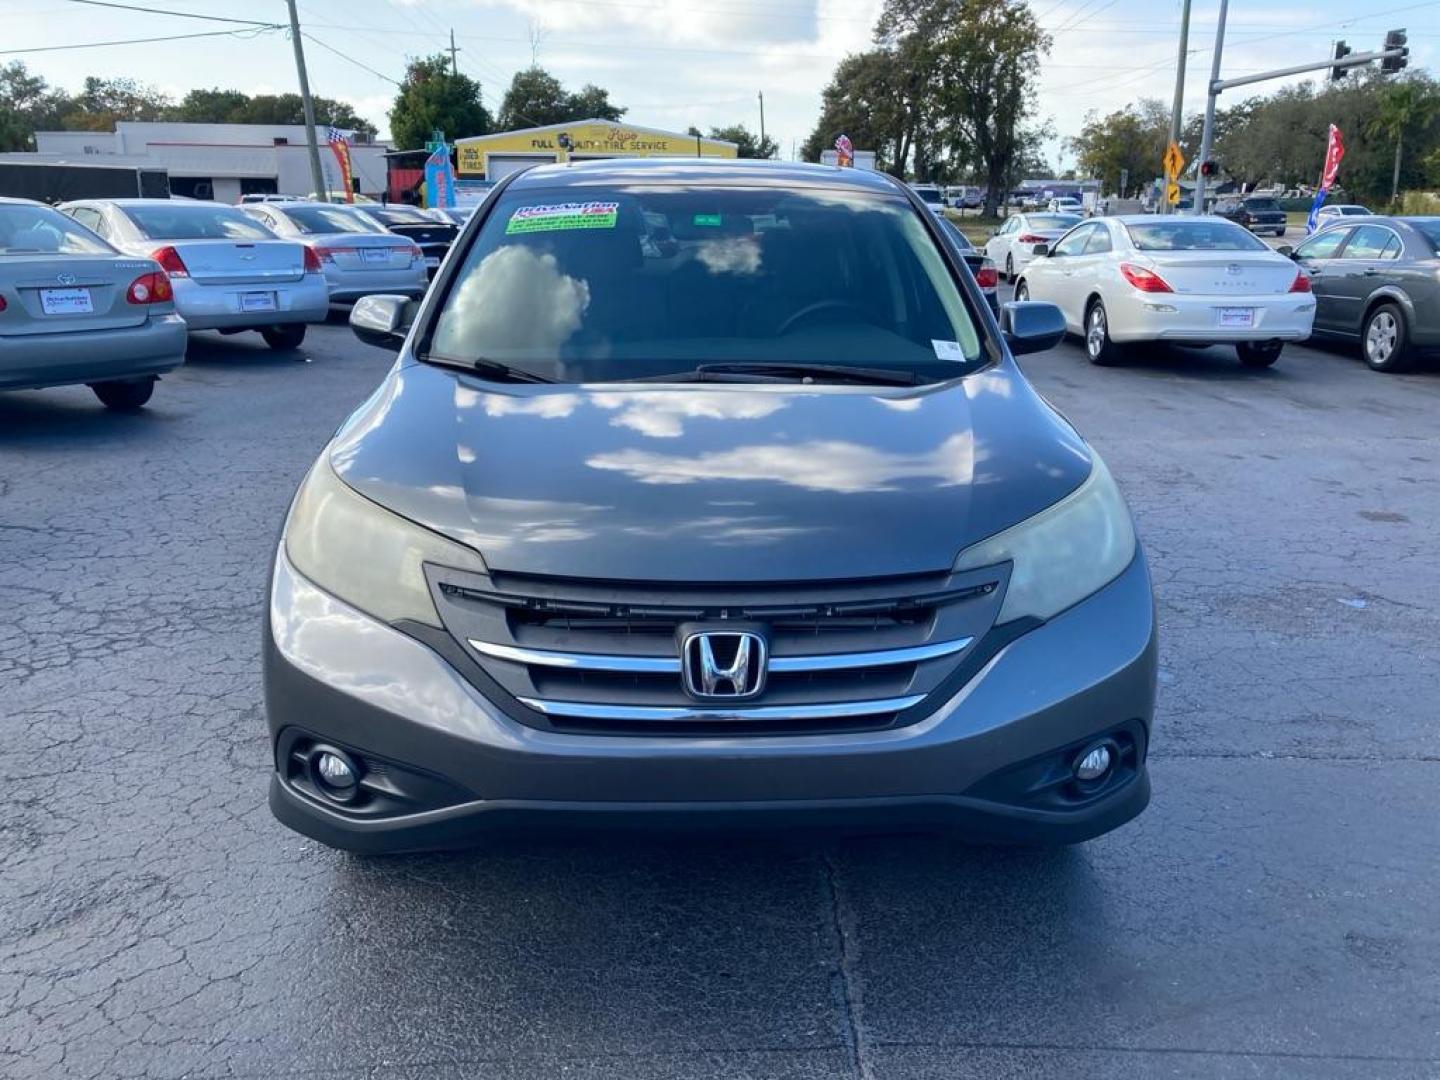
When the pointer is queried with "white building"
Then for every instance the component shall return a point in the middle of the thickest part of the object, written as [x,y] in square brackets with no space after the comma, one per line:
[217,161]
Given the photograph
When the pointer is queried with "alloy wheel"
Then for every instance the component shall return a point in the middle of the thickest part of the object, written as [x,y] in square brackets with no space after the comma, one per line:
[1381,337]
[1095,332]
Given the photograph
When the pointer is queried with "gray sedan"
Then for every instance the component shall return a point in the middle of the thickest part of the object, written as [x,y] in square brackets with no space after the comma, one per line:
[359,255]
[75,310]
[1376,280]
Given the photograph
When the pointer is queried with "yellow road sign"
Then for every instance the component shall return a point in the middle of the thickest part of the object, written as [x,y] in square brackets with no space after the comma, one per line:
[1172,193]
[1173,160]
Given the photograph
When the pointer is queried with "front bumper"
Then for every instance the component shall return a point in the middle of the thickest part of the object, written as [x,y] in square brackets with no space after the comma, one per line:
[33,361]
[1137,316]
[220,307]
[334,675]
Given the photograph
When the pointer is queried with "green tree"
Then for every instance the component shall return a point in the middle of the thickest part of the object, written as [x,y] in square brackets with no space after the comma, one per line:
[1125,144]
[750,145]
[237,107]
[103,102]
[1404,106]
[863,101]
[27,104]
[537,99]
[431,97]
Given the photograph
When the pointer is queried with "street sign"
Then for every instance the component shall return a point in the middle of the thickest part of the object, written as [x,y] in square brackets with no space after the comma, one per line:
[1172,193]
[1174,161]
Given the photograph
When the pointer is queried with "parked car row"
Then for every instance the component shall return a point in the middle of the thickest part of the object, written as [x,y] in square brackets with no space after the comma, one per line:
[104,291]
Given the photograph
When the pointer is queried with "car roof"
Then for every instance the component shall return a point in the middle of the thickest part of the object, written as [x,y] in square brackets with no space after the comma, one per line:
[11,200]
[152,202]
[737,171]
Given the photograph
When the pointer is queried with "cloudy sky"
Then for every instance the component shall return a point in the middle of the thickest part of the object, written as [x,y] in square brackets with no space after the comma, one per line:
[680,62]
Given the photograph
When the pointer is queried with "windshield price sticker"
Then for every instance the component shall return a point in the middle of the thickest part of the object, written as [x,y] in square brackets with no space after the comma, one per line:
[574,215]
[948,350]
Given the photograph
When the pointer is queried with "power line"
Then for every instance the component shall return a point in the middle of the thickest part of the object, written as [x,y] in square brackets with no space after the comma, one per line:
[136,41]
[350,59]
[176,14]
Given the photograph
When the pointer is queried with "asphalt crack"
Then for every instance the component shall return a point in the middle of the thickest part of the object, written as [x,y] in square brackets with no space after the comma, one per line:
[848,993]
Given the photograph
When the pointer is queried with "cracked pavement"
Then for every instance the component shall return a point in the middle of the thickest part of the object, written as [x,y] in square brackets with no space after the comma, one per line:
[1272,914]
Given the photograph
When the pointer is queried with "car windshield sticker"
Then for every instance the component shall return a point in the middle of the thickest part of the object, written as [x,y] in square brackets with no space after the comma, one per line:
[948,350]
[712,220]
[574,215]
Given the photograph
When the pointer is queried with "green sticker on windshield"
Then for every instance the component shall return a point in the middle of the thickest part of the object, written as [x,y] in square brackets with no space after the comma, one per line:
[712,220]
[574,215]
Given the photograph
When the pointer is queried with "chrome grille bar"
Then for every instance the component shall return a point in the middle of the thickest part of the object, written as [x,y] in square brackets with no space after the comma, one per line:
[827,711]
[670,665]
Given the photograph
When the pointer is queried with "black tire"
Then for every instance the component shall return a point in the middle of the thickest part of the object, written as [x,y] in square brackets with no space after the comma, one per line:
[1022,292]
[1259,354]
[128,395]
[1009,268]
[1099,349]
[1385,340]
[288,336]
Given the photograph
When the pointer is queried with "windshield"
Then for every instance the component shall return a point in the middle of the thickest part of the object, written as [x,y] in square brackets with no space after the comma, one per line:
[645,281]
[929,194]
[38,230]
[1052,222]
[323,219]
[1192,236]
[1261,204]
[179,221]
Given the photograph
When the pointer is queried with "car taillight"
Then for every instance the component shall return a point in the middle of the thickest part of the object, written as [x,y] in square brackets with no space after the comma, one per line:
[151,288]
[312,260]
[1144,280]
[1301,282]
[415,252]
[1031,238]
[2,303]
[987,277]
[170,261]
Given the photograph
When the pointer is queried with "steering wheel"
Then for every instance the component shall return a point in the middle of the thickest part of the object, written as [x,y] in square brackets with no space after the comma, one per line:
[816,308]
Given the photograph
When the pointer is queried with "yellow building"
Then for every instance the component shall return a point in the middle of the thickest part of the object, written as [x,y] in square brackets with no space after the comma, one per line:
[491,157]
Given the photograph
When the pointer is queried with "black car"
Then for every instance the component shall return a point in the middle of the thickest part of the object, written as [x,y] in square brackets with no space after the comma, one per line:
[433,237]
[1376,280]
[1259,215]
[987,276]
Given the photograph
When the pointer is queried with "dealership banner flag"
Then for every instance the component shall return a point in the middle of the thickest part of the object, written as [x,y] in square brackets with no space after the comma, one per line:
[340,147]
[439,178]
[1334,151]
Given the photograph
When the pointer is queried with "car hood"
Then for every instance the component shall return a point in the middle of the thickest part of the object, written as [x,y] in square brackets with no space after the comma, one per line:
[720,482]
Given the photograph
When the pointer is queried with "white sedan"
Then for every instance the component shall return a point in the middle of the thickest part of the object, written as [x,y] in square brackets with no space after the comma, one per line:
[1010,248]
[1189,280]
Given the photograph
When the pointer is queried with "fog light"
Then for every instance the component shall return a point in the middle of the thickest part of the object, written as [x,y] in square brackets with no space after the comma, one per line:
[1094,764]
[334,774]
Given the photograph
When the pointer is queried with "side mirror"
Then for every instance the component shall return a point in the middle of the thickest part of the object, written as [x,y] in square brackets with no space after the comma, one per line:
[1286,250]
[382,320]
[1040,250]
[1030,326]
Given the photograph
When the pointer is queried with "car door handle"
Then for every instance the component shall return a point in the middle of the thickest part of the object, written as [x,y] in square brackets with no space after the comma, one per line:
[1370,271]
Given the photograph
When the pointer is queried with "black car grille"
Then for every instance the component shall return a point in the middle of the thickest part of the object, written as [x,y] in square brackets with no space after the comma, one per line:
[601,657]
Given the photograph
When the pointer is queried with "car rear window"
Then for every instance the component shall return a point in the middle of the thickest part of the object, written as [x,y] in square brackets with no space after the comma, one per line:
[604,284]
[324,220]
[398,215]
[1199,235]
[1053,222]
[181,221]
[1428,228]
[38,230]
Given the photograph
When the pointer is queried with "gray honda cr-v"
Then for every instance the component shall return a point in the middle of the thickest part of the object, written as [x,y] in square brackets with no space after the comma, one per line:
[706,492]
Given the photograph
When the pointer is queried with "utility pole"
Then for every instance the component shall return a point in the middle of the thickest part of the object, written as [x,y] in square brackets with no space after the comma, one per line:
[761,95]
[1208,134]
[455,64]
[1176,112]
[317,175]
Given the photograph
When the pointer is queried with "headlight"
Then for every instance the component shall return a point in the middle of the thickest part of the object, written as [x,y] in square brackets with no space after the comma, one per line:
[364,554]
[1065,552]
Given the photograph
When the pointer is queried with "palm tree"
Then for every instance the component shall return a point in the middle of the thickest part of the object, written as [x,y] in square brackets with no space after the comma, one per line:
[1403,104]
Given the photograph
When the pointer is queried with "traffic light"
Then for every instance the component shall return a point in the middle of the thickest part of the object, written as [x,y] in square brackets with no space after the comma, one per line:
[1395,39]
[1209,169]
[1341,51]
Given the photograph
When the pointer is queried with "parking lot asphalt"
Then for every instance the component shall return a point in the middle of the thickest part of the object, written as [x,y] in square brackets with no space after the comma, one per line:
[1272,914]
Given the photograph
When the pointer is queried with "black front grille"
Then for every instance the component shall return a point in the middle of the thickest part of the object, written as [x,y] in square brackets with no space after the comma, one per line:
[546,644]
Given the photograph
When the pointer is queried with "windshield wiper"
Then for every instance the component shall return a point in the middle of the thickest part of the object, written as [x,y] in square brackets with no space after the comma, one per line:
[742,371]
[487,369]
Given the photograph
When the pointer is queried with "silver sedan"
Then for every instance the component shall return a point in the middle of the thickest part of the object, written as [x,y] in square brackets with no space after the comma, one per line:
[75,310]
[359,256]
[229,273]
